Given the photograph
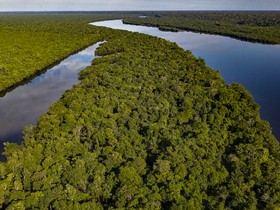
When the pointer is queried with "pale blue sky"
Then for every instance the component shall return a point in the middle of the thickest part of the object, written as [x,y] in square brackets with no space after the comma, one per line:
[95,5]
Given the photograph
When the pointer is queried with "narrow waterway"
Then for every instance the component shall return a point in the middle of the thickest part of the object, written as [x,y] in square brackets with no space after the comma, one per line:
[255,66]
[24,105]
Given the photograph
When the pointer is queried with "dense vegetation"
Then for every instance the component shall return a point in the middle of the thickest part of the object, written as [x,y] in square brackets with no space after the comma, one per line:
[32,42]
[253,26]
[149,126]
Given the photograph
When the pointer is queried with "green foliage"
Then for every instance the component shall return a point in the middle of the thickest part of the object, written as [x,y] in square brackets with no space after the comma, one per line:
[149,127]
[30,43]
[263,27]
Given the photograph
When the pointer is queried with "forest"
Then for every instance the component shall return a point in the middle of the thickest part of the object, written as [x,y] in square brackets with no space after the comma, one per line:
[31,43]
[254,26]
[149,126]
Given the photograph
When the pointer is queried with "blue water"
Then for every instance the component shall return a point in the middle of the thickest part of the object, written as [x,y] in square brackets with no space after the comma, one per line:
[255,66]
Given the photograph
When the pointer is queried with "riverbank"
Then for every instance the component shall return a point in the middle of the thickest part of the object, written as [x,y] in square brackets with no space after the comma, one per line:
[260,27]
[148,126]
[41,41]
[24,105]
[28,78]
[237,61]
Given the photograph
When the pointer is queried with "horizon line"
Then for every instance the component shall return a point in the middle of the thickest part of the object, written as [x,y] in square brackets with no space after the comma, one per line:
[162,10]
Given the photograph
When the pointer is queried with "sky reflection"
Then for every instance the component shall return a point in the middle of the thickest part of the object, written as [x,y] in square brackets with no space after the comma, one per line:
[25,104]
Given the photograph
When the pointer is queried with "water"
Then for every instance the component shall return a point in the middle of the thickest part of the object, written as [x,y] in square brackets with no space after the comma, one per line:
[24,105]
[255,66]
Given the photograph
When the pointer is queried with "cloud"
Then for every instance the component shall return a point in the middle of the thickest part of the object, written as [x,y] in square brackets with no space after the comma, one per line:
[97,5]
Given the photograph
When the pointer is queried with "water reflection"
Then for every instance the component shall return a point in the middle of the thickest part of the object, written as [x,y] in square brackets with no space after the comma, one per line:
[25,104]
[256,66]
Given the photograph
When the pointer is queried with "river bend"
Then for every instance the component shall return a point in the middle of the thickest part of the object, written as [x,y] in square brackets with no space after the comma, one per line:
[255,66]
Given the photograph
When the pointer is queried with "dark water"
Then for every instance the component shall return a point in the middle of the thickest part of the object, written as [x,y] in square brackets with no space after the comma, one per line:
[25,104]
[255,66]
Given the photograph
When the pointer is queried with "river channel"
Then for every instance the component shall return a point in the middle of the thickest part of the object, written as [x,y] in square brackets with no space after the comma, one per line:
[24,105]
[255,66]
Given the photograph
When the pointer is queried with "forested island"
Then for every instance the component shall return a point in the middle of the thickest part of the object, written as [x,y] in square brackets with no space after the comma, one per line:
[149,126]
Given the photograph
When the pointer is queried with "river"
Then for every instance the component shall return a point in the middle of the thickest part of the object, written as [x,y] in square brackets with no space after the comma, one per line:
[24,105]
[255,66]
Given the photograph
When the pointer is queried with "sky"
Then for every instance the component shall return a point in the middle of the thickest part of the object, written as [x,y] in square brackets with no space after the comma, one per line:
[101,5]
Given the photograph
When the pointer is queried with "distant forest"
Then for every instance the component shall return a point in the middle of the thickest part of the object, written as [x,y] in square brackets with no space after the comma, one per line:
[149,126]
[263,27]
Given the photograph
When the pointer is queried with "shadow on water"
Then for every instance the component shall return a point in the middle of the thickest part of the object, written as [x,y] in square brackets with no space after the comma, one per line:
[23,105]
[16,136]
[37,73]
